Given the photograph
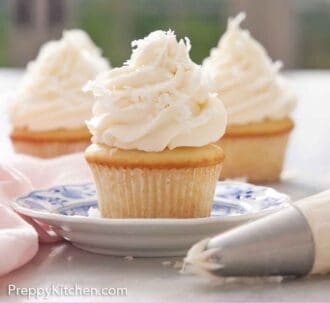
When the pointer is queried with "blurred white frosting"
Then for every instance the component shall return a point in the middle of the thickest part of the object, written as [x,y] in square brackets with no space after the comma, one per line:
[158,99]
[50,96]
[247,81]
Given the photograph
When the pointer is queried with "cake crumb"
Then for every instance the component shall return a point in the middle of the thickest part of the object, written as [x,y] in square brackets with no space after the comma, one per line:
[128,258]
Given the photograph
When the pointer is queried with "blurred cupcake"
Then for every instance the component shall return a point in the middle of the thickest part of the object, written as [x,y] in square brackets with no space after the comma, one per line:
[258,102]
[153,127]
[49,111]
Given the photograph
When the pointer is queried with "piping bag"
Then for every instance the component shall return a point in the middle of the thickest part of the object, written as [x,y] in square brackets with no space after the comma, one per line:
[294,241]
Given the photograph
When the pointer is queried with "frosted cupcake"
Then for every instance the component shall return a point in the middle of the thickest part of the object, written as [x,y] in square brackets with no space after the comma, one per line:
[258,101]
[153,129]
[49,111]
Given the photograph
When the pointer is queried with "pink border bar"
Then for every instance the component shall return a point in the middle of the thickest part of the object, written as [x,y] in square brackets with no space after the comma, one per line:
[267,316]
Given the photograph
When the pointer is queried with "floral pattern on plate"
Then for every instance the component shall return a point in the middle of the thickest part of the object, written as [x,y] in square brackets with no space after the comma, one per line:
[231,198]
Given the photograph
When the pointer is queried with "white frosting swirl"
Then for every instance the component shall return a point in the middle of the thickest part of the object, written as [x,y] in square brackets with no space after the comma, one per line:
[50,96]
[158,99]
[247,81]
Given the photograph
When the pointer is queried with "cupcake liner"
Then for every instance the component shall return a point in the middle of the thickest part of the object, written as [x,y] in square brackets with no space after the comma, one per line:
[155,193]
[49,149]
[258,159]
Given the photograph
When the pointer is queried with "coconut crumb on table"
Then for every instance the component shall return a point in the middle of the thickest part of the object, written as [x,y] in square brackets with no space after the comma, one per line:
[175,264]
[219,280]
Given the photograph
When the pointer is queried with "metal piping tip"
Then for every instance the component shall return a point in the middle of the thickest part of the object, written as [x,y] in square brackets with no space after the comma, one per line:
[279,244]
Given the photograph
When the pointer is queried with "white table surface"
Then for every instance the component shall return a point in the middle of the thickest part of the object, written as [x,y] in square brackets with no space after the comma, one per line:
[307,171]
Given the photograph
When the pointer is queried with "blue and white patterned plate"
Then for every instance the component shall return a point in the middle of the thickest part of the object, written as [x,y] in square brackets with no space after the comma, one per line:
[72,212]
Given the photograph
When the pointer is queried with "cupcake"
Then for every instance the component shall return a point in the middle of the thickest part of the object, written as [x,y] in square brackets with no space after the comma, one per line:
[258,102]
[154,123]
[49,111]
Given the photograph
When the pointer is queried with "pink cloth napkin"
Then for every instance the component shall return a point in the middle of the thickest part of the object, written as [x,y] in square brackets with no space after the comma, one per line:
[18,175]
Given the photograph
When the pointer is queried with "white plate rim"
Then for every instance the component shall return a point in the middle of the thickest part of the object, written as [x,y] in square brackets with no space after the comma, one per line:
[142,221]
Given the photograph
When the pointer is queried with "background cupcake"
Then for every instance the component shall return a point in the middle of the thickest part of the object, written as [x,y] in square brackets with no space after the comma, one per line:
[153,126]
[49,111]
[258,101]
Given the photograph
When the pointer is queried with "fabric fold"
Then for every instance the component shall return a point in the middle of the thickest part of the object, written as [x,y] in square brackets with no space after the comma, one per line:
[20,174]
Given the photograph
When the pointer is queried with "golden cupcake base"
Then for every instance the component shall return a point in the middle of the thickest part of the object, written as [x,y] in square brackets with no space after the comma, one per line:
[51,143]
[177,183]
[255,151]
